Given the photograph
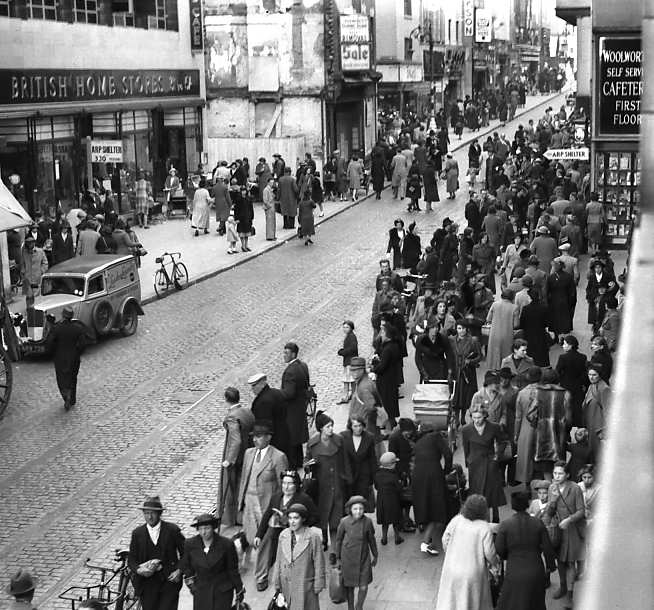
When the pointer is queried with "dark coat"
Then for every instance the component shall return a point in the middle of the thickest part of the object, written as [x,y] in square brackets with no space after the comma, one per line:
[355,542]
[270,405]
[389,506]
[350,348]
[216,572]
[243,213]
[429,486]
[561,299]
[534,319]
[378,168]
[170,551]
[222,200]
[592,293]
[473,216]
[571,369]
[403,450]
[523,540]
[433,358]
[288,193]
[483,472]
[299,497]
[305,217]
[466,354]
[332,470]
[295,388]
[66,341]
[362,464]
[62,249]
[430,180]
[386,369]
[411,251]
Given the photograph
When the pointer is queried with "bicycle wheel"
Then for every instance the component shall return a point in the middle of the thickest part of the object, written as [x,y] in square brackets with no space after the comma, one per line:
[180,276]
[161,283]
[127,599]
[311,412]
[6,377]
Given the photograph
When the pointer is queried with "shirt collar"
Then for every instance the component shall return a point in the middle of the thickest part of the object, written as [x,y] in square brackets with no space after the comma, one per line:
[156,529]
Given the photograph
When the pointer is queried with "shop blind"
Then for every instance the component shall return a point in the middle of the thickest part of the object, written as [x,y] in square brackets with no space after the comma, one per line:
[13,130]
[63,127]
[174,117]
[136,121]
[104,124]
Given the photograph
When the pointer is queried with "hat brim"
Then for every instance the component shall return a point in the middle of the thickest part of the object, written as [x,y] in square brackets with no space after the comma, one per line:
[152,508]
[212,522]
[10,591]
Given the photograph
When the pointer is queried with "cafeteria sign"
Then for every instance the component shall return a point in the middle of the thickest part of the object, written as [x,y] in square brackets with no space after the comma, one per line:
[106,151]
[355,43]
[620,80]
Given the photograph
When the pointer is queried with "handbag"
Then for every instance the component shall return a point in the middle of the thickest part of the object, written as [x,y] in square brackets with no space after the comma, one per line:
[278,602]
[406,493]
[336,587]
[253,231]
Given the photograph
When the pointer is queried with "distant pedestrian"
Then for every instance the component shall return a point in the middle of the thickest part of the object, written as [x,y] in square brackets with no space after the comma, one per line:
[244,215]
[354,176]
[66,341]
[231,234]
[305,218]
[349,350]
[295,389]
[222,203]
[21,588]
[268,196]
[143,191]
[155,551]
[288,195]
[201,203]
[451,176]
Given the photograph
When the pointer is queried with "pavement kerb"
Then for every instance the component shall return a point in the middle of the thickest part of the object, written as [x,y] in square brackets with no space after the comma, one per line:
[351,204]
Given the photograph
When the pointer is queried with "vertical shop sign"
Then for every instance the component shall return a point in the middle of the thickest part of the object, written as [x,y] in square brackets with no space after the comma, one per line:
[355,43]
[197,29]
[468,17]
[483,22]
[620,65]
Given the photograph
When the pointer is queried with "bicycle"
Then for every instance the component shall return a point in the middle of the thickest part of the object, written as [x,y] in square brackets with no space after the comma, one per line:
[178,276]
[312,401]
[120,598]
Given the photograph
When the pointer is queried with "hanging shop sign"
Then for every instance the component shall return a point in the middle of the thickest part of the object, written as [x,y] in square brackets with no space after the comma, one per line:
[43,86]
[558,154]
[197,31]
[620,66]
[106,151]
[483,25]
[468,17]
[355,43]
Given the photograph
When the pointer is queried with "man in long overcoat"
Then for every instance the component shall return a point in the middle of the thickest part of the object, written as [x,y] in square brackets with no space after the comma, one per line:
[288,194]
[155,550]
[238,424]
[222,203]
[295,388]
[66,341]
[270,405]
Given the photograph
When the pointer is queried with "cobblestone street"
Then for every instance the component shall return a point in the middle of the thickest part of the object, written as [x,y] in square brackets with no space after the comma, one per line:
[148,418]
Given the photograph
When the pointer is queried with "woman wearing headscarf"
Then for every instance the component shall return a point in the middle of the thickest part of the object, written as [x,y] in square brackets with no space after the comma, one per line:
[469,550]
[571,369]
[433,355]
[299,570]
[480,438]
[210,567]
[326,458]
[522,541]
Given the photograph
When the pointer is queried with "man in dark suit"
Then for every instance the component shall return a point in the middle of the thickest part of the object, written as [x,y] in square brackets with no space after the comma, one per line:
[63,247]
[155,551]
[270,405]
[288,198]
[66,341]
[295,389]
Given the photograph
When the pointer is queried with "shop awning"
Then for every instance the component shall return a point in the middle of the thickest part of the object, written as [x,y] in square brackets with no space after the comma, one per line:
[12,214]
[53,109]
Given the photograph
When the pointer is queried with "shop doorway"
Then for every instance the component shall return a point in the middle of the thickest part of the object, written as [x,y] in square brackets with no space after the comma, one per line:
[349,129]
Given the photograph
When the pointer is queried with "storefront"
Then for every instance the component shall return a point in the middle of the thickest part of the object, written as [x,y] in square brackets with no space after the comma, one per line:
[616,161]
[455,59]
[63,132]
[403,88]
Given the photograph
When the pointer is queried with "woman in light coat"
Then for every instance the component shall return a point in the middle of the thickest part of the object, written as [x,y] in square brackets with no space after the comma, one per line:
[201,204]
[268,196]
[503,319]
[452,176]
[595,408]
[469,549]
[299,571]
[354,176]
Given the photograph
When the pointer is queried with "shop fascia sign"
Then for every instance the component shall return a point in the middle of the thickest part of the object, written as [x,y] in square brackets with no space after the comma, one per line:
[106,151]
[468,17]
[560,154]
[354,43]
[483,25]
[44,86]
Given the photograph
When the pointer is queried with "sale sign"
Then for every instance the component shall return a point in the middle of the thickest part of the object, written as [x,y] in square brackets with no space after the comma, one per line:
[355,43]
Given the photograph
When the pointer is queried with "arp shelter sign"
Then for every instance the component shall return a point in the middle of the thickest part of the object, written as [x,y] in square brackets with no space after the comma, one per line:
[620,71]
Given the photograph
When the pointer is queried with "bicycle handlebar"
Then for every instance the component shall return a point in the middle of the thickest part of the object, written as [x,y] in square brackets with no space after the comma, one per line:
[91,566]
[172,255]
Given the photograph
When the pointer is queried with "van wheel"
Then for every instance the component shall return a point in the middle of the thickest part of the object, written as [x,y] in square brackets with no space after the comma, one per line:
[103,317]
[130,320]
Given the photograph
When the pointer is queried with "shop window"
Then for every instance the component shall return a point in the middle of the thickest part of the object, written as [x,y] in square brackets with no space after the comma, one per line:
[407,8]
[86,11]
[43,9]
[408,49]
[4,8]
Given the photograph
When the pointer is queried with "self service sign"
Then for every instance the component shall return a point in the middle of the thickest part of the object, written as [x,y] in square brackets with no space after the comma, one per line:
[620,80]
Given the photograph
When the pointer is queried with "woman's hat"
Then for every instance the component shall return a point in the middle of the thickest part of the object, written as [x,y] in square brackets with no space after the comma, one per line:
[205,519]
[491,377]
[322,419]
[356,500]
[386,459]
[21,582]
[300,509]
[152,503]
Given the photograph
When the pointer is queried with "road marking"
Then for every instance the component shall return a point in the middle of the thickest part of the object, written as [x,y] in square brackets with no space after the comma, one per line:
[189,408]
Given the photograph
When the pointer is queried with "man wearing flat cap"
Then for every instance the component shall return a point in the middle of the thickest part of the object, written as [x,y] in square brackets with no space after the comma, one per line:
[263,466]
[295,388]
[155,551]
[66,342]
[21,588]
[365,397]
[238,425]
[269,405]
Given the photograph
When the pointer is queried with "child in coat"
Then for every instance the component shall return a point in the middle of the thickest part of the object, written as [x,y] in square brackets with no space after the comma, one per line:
[538,507]
[389,489]
[231,234]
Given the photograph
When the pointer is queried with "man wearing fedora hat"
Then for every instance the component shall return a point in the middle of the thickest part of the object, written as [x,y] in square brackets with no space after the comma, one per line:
[66,342]
[365,398]
[269,405]
[21,587]
[263,466]
[154,557]
[544,248]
